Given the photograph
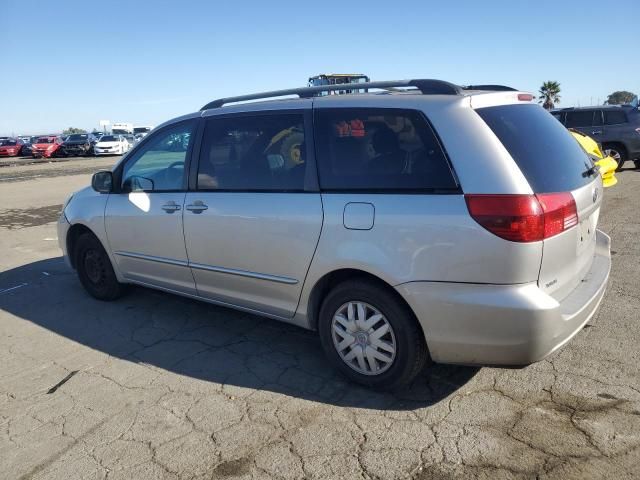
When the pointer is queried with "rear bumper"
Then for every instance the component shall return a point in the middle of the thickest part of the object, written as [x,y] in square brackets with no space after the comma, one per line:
[504,324]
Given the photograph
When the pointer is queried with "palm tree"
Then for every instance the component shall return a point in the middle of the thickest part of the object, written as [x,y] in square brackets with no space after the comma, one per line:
[549,94]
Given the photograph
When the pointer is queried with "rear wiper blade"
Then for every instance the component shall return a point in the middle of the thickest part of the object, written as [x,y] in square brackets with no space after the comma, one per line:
[590,170]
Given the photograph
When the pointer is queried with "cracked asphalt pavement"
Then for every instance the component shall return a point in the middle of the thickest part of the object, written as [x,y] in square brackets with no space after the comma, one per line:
[157,386]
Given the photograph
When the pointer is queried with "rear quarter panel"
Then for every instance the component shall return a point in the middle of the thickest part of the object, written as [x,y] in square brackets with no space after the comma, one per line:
[418,238]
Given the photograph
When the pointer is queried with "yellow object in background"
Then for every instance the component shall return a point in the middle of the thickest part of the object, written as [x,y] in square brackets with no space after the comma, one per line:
[606,165]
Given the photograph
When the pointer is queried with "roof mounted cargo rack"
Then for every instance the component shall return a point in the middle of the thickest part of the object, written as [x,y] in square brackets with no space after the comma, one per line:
[425,86]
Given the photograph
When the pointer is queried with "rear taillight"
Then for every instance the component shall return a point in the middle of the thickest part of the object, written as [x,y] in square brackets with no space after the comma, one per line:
[560,212]
[524,218]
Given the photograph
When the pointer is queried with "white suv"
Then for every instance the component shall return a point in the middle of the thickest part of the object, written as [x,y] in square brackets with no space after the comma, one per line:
[424,222]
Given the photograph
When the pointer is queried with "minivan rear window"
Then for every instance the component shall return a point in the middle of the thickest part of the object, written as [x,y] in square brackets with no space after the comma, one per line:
[546,153]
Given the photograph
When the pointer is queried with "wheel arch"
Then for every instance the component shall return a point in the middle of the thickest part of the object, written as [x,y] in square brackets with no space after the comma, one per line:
[335,277]
[74,232]
[619,145]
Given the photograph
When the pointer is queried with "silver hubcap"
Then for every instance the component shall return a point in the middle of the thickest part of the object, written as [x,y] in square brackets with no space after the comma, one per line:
[363,338]
[613,154]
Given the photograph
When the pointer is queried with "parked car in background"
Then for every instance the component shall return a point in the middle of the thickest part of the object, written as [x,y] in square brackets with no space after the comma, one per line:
[26,148]
[363,217]
[11,147]
[78,144]
[615,127]
[111,145]
[606,165]
[142,130]
[131,139]
[47,146]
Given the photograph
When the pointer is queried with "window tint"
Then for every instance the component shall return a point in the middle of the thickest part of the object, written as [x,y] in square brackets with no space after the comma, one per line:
[597,118]
[262,152]
[159,163]
[614,117]
[546,153]
[579,118]
[379,149]
[558,116]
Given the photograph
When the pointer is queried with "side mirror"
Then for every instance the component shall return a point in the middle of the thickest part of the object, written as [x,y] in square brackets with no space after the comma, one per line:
[102,182]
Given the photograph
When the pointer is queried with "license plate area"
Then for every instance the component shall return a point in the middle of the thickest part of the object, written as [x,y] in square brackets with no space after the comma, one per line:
[587,231]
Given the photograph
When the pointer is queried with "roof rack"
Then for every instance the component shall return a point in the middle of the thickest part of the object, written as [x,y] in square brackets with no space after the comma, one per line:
[425,86]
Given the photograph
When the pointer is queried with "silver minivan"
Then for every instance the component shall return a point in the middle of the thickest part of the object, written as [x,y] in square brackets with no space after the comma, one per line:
[420,221]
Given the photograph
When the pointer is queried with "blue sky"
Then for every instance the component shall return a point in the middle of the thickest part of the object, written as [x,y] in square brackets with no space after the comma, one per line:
[76,63]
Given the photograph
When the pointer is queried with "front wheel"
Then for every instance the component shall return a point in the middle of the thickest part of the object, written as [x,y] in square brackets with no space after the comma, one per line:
[371,336]
[95,270]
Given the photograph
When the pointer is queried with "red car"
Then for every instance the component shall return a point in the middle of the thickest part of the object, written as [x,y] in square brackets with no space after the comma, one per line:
[11,147]
[46,146]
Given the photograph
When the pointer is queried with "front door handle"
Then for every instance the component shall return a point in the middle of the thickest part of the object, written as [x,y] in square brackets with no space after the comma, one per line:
[170,207]
[197,207]
[596,132]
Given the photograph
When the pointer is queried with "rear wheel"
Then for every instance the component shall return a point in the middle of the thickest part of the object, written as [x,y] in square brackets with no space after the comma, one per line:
[371,336]
[95,270]
[617,152]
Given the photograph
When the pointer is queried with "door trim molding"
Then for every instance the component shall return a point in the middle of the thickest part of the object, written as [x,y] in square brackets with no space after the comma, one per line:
[151,258]
[244,273]
[210,268]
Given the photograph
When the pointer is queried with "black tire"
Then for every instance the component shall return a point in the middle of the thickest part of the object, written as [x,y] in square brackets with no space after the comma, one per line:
[617,152]
[637,164]
[95,270]
[411,352]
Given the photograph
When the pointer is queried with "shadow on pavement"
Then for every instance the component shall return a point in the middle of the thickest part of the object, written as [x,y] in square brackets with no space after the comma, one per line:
[203,341]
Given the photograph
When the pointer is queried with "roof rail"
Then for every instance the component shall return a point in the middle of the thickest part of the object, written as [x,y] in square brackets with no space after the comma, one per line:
[425,86]
[491,88]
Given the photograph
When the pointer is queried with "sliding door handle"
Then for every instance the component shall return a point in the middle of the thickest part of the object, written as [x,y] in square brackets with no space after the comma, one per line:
[197,207]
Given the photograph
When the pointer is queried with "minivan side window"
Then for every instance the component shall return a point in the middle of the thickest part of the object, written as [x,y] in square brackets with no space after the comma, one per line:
[614,117]
[158,165]
[579,118]
[253,153]
[379,149]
